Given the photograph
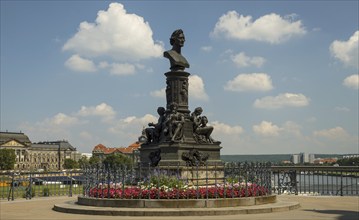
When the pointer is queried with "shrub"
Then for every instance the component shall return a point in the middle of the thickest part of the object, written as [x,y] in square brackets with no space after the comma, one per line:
[45,191]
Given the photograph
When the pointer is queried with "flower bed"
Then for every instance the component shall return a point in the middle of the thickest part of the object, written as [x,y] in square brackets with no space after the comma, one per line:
[118,191]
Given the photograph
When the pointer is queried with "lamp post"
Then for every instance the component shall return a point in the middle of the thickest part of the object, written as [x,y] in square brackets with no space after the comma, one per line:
[59,157]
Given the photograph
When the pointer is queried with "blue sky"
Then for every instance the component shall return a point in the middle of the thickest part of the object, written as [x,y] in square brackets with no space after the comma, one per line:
[271,76]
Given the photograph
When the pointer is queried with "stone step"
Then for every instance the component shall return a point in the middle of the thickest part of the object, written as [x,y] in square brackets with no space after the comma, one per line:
[72,207]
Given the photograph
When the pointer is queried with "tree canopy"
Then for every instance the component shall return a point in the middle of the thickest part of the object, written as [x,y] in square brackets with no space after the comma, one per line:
[353,161]
[70,164]
[117,160]
[7,159]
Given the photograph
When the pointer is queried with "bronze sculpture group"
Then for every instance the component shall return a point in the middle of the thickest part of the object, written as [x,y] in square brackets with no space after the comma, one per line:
[179,135]
[170,126]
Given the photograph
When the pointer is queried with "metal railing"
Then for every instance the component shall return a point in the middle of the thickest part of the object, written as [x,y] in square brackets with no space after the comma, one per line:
[316,180]
[208,181]
[178,181]
[19,184]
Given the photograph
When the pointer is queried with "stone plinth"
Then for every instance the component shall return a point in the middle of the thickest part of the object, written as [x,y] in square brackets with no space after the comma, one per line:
[172,152]
[177,90]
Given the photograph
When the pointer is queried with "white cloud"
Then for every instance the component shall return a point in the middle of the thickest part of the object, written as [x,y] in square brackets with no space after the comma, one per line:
[352,81]
[130,127]
[225,129]
[159,93]
[103,110]
[54,128]
[293,128]
[206,48]
[266,128]
[337,133]
[62,119]
[282,100]
[250,82]
[270,28]
[196,89]
[121,69]
[117,34]
[242,60]
[347,51]
[341,109]
[79,64]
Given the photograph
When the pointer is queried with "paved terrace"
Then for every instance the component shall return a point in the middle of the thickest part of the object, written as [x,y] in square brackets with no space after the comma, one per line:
[312,207]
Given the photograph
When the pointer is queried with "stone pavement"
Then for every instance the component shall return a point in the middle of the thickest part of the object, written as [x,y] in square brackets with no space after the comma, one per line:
[312,207]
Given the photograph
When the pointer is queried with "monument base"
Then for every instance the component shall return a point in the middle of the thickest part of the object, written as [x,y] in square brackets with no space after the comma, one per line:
[168,153]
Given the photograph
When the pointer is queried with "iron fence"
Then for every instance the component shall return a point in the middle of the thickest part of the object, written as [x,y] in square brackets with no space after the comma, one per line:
[20,184]
[178,181]
[211,180]
[316,180]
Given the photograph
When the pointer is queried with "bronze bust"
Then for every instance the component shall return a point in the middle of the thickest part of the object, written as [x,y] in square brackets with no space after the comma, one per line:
[177,61]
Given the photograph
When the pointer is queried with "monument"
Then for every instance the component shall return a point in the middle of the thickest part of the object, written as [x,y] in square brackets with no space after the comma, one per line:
[179,136]
[179,146]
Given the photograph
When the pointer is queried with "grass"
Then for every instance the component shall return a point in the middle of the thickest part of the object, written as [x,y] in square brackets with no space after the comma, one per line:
[40,190]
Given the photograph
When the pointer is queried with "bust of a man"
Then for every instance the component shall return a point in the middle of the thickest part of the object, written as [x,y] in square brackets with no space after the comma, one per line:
[177,61]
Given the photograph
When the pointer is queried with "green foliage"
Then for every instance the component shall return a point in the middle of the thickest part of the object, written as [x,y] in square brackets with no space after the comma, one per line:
[70,164]
[353,161]
[83,162]
[7,159]
[45,191]
[94,160]
[165,180]
[116,160]
[28,191]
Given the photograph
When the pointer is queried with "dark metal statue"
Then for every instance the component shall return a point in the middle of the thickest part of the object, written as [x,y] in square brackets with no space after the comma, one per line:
[194,158]
[154,132]
[177,61]
[174,123]
[155,157]
[201,132]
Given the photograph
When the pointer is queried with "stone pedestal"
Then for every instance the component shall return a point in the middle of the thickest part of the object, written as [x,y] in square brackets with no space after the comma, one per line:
[177,90]
[172,153]
[186,151]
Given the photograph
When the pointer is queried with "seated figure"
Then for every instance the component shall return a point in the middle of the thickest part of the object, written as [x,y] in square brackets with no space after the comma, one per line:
[174,123]
[202,132]
[154,132]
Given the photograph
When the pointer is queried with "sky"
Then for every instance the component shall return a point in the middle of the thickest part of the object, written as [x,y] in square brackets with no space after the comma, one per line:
[273,77]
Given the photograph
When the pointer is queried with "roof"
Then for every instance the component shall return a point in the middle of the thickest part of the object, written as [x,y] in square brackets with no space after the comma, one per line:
[105,150]
[100,148]
[64,145]
[131,148]
[17,136]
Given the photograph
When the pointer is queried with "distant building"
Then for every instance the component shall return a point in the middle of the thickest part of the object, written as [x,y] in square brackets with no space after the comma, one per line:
[295,158]
[325,160]
[87,155]
[304,158]
[131,151]
[33,156]
[311,158]
[102,151]
[350,156]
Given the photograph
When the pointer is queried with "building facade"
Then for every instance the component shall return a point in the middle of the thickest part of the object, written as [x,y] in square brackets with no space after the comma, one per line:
[37,156]
[132,151]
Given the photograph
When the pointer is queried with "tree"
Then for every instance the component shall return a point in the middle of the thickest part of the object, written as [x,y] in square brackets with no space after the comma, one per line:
[83,162]
[94,160]
[7,159]
[70,164]
[117,160]
[353,161]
